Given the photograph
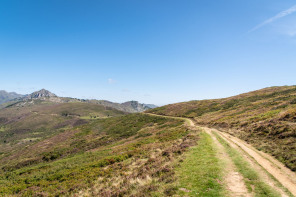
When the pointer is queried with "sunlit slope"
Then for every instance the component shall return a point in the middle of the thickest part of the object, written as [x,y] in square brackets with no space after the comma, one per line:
[125,155]
[265,118]
[21,126]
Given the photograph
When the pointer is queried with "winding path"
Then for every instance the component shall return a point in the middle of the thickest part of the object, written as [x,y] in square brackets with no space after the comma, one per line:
[263,163]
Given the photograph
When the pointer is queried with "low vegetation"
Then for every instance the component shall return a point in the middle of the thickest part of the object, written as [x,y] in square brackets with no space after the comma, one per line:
[253,182]
[200,174]
[265,118]
[86,149]
[126,155]
[39,121]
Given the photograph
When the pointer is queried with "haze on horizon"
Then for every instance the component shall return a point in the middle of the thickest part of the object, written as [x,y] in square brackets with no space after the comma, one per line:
[156,52]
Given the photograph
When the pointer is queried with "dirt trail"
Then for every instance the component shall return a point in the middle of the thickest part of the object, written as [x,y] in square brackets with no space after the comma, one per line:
[188,121]
[264,176]
[285,176]
[233,179]
[282,174]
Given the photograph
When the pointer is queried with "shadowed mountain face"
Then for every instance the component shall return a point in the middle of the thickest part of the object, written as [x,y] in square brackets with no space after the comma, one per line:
[265,118]
[7,96]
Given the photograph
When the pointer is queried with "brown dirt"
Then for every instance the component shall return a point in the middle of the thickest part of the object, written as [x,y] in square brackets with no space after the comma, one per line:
[233,179]
[284,175]
[261,162]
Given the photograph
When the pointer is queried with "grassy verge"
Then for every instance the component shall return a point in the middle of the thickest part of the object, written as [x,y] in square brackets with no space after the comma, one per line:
[201,172]
[251,177]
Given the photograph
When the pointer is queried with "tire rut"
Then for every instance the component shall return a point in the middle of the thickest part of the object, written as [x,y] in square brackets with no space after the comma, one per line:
[234,181]
[263,165]
[262,162]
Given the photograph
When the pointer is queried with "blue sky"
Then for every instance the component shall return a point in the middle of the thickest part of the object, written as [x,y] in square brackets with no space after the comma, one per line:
[154,51]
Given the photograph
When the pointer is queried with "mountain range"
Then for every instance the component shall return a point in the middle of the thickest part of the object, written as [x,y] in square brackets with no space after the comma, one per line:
[243,145]
[8,96]
[9,99]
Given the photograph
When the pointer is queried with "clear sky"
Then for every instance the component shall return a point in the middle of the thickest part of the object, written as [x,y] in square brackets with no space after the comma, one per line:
[153,51]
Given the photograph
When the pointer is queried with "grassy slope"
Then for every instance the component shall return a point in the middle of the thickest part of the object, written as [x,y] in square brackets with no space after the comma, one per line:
[265,118]
[128,155]
[22,126]
[201,172]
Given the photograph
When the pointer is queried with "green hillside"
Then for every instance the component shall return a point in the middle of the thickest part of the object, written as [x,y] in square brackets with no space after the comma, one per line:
[25,125]
[265,118]
[49,148]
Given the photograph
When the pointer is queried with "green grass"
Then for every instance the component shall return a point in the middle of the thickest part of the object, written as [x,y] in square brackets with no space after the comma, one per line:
[67,174]
[265,115]
[251,177]
[264,118]
[101,149]
[201,171]
[22,127]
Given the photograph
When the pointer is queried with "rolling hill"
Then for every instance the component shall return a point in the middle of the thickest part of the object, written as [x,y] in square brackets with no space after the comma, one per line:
[55,146]
[265,118]
[29,122]
[60,146]
[45,154]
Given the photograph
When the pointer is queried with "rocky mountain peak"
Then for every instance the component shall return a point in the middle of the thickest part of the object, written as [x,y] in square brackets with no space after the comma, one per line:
[41,94]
